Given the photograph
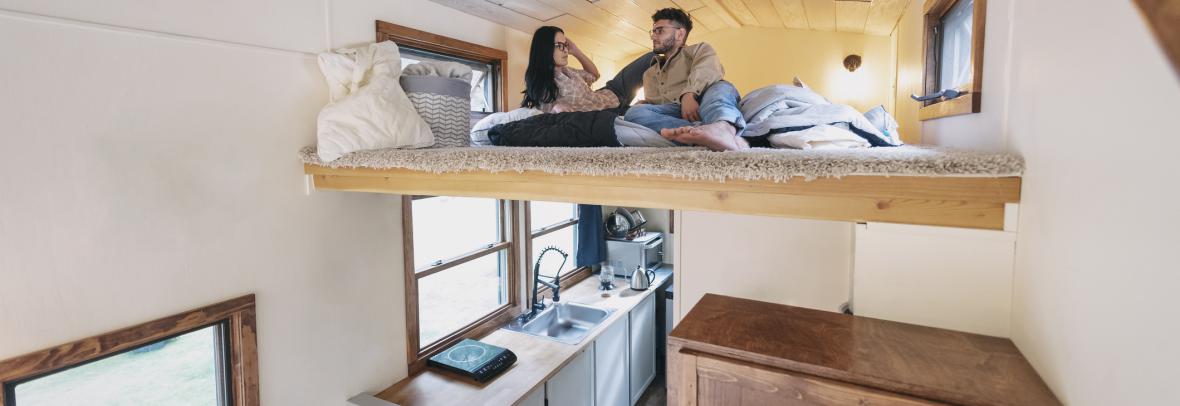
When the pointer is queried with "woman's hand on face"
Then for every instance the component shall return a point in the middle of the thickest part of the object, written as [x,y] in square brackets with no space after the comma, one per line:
[572,47]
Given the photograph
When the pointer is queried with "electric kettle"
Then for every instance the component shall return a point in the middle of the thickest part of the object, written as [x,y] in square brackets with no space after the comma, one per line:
[641,279]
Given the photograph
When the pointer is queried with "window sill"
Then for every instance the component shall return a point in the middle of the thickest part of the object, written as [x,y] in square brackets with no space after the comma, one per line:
[966,104]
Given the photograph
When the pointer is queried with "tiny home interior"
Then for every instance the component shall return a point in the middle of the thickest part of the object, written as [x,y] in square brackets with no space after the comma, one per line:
[156,209]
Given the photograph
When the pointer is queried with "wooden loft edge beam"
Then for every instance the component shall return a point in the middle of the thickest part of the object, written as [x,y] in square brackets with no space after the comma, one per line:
[998,190]
[937,201]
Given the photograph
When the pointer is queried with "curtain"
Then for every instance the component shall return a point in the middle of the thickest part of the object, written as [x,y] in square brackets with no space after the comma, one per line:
[590,236]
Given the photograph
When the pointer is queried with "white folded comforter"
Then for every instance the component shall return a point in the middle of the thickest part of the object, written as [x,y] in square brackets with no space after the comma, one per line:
[797,117]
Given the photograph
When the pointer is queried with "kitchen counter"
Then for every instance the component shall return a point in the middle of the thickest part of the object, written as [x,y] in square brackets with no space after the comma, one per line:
[538,358]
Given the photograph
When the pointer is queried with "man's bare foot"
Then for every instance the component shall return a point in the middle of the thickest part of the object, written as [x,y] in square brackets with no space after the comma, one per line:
[674,133]
[718,136]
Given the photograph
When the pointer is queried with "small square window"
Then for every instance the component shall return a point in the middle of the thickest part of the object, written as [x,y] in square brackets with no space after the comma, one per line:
[954,58]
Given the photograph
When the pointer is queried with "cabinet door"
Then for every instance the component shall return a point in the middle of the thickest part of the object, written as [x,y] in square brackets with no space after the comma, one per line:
[611,375]
[725,383]
[643,346]
[574,384]
[534,398]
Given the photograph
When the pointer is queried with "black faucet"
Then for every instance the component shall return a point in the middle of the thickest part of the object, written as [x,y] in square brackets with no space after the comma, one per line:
[537,305]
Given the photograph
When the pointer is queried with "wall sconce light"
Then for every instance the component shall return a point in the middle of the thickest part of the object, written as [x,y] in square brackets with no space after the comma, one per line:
[852,62]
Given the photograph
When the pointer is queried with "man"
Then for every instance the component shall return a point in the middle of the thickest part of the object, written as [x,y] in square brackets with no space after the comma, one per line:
[686,100]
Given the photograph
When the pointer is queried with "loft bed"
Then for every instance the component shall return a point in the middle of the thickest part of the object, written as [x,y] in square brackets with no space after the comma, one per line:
[907,185]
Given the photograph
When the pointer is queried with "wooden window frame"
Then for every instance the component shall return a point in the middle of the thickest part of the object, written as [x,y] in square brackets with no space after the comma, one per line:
[972,102]
[423,40]
[237,314]
[570,279]
[417,355]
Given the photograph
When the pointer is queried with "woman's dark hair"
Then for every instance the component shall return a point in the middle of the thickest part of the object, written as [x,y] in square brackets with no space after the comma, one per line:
[539,85]
[675,15]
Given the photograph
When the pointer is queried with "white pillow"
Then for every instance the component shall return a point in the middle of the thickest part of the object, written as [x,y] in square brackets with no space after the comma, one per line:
[479,132]
[369,109]
[884,122]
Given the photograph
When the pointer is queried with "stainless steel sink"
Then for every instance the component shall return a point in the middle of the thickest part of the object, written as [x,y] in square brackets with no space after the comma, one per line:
[565,322]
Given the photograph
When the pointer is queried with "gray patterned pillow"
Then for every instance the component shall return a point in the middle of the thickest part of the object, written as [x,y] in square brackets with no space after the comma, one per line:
[445,104]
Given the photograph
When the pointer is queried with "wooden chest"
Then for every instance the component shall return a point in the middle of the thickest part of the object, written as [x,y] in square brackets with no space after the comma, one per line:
[730,351]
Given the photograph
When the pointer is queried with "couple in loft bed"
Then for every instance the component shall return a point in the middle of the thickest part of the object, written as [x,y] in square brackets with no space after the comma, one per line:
[687,102]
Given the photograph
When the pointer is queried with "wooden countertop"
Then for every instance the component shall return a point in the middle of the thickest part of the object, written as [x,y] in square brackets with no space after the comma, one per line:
[538,358]
[932,363]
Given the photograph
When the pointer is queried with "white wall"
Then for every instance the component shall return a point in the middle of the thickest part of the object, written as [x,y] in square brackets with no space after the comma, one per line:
[796,262]
[1092,100]
[152,169]
[952,278]
[1088,104]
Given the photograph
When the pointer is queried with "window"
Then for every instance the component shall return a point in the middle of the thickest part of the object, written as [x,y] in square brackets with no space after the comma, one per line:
[552,224]
[954,57]
[204,357]
[460,275]
[487,64]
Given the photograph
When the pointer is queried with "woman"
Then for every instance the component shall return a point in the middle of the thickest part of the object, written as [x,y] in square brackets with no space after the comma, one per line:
[554,87]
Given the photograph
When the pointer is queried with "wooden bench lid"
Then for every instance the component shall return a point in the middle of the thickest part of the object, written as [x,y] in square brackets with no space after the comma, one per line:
[925,362]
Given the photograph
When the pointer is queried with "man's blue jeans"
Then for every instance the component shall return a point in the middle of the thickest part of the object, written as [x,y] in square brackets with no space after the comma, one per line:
[718,103]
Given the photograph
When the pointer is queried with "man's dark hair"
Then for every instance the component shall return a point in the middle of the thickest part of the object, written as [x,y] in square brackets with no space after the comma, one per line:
[675,15]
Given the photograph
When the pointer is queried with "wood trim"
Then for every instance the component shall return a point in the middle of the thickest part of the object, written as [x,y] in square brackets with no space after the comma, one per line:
[238,314]
[419,39]
[528,256]
[243,336]
[970,202]
[411,280]
[930,45]
[685,391]
[552,228]
[1164,19]
[966,104]
[763,380]
[514,210]
[460,260]
[416,357]
[972,102]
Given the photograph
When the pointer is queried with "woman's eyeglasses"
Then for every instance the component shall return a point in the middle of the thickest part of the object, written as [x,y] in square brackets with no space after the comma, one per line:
[561,46]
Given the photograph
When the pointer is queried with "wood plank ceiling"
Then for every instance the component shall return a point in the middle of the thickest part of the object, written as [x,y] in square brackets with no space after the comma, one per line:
[618,28]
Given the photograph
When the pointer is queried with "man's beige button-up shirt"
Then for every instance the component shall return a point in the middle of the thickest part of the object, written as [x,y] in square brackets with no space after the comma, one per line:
[689,70]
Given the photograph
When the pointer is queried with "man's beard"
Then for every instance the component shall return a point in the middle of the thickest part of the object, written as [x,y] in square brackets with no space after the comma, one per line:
[665,46]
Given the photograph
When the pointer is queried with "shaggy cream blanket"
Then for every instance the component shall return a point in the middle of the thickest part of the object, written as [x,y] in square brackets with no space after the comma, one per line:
[689,162]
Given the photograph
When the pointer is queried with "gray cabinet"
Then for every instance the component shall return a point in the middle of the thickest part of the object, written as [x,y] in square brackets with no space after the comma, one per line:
[611,373]
[534,398]
[642,346]
[574,384]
